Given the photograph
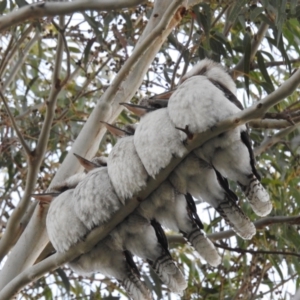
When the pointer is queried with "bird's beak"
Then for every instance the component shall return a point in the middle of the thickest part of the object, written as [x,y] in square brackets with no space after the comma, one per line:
[139,110]
[87,164]
[163,96]
[45,197]
[116,131]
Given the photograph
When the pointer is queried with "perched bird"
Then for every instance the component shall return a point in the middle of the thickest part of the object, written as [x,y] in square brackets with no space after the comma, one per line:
[178,212]
[136,234]
[175,212]
[205,96]
[156,139]
[196,177]
[65,229]
[126,171]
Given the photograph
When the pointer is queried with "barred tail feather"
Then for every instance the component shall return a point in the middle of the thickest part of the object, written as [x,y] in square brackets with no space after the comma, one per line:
[204,247]
[169,273]
[135,287]
[258,197]
[237,219]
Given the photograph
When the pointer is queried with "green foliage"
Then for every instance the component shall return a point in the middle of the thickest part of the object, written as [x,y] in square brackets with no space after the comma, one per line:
[98,45]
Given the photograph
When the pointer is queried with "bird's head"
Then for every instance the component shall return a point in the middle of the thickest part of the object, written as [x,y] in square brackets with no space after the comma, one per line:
[213,71]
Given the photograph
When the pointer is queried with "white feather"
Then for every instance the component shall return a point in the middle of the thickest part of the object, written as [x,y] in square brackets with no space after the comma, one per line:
[94,198]
[63,226]
[125,169]
[157,140]
[199,104]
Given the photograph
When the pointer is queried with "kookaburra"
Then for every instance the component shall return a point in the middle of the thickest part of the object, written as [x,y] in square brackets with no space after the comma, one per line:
[198,178]
[156,139]
[136,234]
[65,229]
[205,96]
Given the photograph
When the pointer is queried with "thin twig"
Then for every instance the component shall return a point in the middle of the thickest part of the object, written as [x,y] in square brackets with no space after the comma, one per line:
[50,9]
[34,161]
[15,126]
[274,63]
[219,16]
[62,34]
[274,139]
[272,124]
[182,53]
[240,250]
[238,69]
[19,63]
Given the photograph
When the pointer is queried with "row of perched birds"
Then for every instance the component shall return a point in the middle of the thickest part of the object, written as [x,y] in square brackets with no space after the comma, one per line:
[204,96]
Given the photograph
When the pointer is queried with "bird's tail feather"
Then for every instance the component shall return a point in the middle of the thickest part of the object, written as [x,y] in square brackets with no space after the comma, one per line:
[135,287]
[236,218]
[204,246]
[169,273]
[258,197]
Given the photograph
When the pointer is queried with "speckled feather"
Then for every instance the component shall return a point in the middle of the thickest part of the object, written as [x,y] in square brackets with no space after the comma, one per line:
[63,227]
[95,199]
[199,104]
[125,169]
[157,140]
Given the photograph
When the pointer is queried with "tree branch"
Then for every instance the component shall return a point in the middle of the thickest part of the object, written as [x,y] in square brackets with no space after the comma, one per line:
[274,139]
[259,224]
[257,39]
[34,161]
[99,233]
[50,9]
[19,63]
[240,250]
[272,124]
[11,51]
[274,63]
[15,126]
